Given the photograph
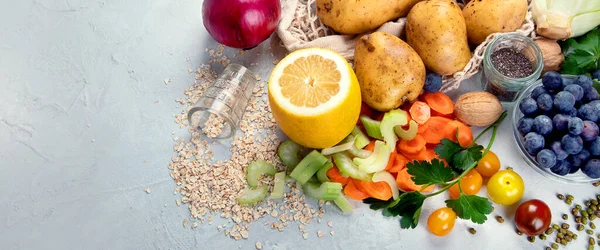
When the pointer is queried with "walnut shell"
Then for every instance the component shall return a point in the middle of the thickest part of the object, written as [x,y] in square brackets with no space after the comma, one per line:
[478,108]
[553,56]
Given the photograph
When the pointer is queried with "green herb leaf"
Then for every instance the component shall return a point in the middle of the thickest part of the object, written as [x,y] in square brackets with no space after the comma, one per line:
[409,207]
[425,173]
[465,158]
[582,54]
[471,207]
[377,204]
[447,148]
[596,85]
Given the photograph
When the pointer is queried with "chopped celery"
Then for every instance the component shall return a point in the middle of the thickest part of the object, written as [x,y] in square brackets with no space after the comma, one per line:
[345,145]
[409,134]
[372,127]
[257,168]
[371,159]
[288,153]
[253,195]
[308,166]
[322,173]
[279,186]
[389,179]
[325,191]
[391,119]
[348,169]
[314,179]
[343,203]
[360,153]
[382,155]
[361,140]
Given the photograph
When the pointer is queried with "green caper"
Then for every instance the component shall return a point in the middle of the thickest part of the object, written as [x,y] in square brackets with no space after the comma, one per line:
[560,196]
[594,202]
[542,237]
[589,211]
[549,230]
[580,227]
[589,231]
[592,241]
[584,213]
[584,220]
[554,246]
[570,197]
[569,202]
[592,225]
[578,207]
[565,226]
[565,216]
[563,242]
[563,231]
[472,231]
[569,233]
[560,235]
[593,216]
[555,226]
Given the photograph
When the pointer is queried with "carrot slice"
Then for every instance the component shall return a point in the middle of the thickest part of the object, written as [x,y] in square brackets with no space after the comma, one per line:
[465,134]
[420,112]
[378,190]
[435,128]
[439,102]
[423,127]
[353,192]
[406,184]
[400,162]
[391,161]
[335,176]
[449,116]
[370,146]
[411,146]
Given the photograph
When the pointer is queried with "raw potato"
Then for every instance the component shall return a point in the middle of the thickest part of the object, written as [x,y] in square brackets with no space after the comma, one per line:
[388,70]
[436,30]
[484,17]
[478,108]
[553,56]
[352,17]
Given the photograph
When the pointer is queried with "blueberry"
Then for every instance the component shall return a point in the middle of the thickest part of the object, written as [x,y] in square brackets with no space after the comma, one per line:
[576,90]
[572,144]
[590,131]
[574,169]
[588,112]
[560,122]
[537,91]
[545,102]
[575,126]
[564,100]
[560,153]
[552,80]
[584,81]
[433,82]
[589,96]
[528,106]
[592,168]
[579,160]
[525,125]
[594,146]
[561,168]
[533,143]
[542,125]
[596,74]
[571,112]
[595,104]
[546,158]
[567,82]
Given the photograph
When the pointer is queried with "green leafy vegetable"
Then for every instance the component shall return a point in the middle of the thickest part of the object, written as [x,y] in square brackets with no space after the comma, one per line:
[425,173]
[467,157]
[597,85]
[582,54]
[447,148]
[471,207]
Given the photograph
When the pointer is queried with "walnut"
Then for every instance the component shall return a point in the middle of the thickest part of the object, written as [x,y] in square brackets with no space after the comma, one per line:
[553,56]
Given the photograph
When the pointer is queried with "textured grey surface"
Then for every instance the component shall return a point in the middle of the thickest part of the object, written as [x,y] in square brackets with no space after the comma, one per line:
[81,137]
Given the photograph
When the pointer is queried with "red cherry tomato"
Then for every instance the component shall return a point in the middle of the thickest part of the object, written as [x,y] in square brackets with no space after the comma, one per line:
[533,217]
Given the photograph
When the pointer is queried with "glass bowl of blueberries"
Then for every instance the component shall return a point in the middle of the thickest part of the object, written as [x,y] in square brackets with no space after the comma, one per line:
[555,124]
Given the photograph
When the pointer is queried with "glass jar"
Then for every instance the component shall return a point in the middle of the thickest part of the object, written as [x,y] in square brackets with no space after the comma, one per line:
[507,89]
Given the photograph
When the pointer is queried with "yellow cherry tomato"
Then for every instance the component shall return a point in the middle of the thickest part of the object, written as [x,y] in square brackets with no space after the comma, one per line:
[506,187]
[470,184]
[441,221]
[488,165]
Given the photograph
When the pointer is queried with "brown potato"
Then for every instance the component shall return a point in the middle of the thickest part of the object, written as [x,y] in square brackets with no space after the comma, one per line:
[485,17]
[436,30]
[356,17]
[389,71]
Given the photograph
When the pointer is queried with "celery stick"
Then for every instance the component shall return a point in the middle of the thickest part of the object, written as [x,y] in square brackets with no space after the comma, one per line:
[409,134]
[257,168]
[345,145]
[314,178]
[390,120]
[373,157]
[389,179]
[360,153]
[343,203]
[372,127]
[253,195]
[361,140]
[325,191]
[322,173]
[288,153]
[310,171]
[305,162]
[382,155]
[279,186]
[348,169]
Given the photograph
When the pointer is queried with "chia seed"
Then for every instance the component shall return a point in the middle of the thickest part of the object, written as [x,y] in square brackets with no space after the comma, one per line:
[511,63]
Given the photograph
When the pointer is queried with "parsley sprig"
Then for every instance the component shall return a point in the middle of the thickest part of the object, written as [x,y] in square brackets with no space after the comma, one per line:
[582,54]
[461,160]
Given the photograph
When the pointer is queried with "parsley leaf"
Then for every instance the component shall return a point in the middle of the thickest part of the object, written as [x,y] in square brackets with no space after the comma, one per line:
[409,207]
[425,173]
[465,158]
[447,148]
[471,207]
[582,54]
[596,85]
[377,204]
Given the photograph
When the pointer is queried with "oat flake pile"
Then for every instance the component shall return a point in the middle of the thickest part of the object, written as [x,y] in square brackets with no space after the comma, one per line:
[210,187]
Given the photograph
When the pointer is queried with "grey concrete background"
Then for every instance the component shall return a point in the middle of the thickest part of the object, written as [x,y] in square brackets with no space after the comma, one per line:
[81,137]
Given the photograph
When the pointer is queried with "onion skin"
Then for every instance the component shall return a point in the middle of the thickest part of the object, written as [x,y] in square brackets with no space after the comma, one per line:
[241,24]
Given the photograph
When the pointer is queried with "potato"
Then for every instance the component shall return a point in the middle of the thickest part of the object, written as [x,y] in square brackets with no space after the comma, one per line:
[359,16]
[484,17]
[436,30]
[389,71]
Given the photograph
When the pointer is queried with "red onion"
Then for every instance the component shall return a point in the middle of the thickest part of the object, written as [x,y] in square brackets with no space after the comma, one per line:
[240,24]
